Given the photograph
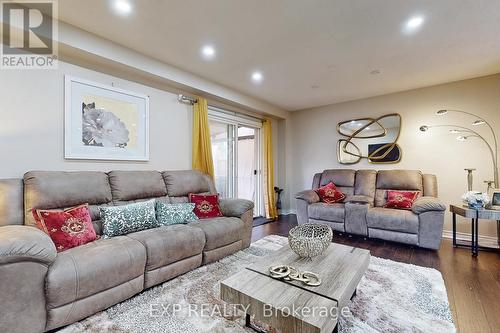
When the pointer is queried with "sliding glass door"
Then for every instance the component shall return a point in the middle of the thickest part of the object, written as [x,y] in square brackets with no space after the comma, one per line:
[247,163]
[221,135]
[237,157]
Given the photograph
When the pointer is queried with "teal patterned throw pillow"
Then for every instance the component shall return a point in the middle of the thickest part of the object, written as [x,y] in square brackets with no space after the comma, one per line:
[168,214]
[122,220]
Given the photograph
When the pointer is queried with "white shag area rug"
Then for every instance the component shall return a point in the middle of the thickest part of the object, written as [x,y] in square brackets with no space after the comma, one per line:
[391,297]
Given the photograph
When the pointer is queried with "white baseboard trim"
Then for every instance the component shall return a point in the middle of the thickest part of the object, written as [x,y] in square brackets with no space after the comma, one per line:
[483,240]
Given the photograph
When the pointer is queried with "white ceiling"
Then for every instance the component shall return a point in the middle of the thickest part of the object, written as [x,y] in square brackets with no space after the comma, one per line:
[312,52]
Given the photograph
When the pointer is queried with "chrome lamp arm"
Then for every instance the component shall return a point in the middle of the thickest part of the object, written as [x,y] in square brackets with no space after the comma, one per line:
[474,134]
[479,121]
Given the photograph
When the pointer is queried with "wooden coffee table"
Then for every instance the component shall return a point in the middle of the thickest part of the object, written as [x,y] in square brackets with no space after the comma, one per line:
[291,306]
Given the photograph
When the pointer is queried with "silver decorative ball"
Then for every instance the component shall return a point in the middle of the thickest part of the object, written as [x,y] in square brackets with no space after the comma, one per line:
[310,239]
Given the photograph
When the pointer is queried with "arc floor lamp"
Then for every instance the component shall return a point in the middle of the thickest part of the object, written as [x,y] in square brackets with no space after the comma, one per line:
[465,133]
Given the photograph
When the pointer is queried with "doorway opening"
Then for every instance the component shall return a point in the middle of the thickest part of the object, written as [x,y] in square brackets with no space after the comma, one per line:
[237,156]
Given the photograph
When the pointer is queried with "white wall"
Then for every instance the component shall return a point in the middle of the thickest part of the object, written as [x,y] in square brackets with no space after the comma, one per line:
[32,123]
[437,152]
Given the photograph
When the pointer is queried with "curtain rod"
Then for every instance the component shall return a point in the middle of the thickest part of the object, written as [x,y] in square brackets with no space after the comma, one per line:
[186,99]
[190,100]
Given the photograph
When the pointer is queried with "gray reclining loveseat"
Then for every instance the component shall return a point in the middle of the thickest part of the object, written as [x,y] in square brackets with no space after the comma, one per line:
[362,211]
[41,289]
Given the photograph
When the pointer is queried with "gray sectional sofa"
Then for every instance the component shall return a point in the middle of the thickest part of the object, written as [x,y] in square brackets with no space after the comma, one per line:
[362,211]
[41,289]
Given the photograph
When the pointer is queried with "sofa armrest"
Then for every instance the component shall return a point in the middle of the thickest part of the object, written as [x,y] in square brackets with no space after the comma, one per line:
[309,196]
[235,207]
[242,209]
[23,243]
[359,199]
[427,204]
[25,256]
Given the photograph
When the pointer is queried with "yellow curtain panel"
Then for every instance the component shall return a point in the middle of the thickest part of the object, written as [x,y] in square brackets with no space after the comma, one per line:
[269,194]
[202,146]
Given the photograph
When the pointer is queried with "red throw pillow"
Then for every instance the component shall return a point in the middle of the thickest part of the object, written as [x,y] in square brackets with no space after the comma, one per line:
[206,206]
[330,194]
[401,199]
[67,228]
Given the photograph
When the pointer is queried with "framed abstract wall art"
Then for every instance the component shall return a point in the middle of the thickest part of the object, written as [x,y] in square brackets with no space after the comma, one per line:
[104,123]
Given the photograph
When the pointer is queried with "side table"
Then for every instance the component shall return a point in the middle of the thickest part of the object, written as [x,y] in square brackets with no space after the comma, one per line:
[475,215]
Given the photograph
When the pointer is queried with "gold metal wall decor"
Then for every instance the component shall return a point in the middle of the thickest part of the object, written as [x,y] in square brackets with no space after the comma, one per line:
[372,138]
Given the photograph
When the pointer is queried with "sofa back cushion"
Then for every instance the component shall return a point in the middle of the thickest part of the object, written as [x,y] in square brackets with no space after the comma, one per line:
[183,182]
[60,190]
[11,202]
[343,179]
[430,185]
[316,180]
[402,180]
[137,186]
[365,183]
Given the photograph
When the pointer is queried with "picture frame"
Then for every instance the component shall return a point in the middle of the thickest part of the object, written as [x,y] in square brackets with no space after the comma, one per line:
[104,123]
[494,195]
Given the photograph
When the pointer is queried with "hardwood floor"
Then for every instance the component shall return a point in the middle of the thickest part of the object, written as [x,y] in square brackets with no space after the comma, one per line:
[473,284]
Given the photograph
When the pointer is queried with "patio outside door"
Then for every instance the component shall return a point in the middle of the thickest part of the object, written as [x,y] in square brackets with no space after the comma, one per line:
[237,160]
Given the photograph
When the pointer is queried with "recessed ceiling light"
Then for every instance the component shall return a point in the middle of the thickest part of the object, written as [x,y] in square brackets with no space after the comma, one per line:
[208,52]
[413,24]
[122,7]
[257,77]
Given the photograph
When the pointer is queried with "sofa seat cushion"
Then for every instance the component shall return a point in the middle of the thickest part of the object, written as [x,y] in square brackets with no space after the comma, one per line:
[169,244]
[220,231]
[92,268]
[392,219]
[327,212]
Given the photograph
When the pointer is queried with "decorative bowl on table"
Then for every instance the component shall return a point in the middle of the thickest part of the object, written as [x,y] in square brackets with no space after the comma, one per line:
[310,240]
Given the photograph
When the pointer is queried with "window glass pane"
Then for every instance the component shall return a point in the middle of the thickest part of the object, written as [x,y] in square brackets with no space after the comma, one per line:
[219,134]
[246,163]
